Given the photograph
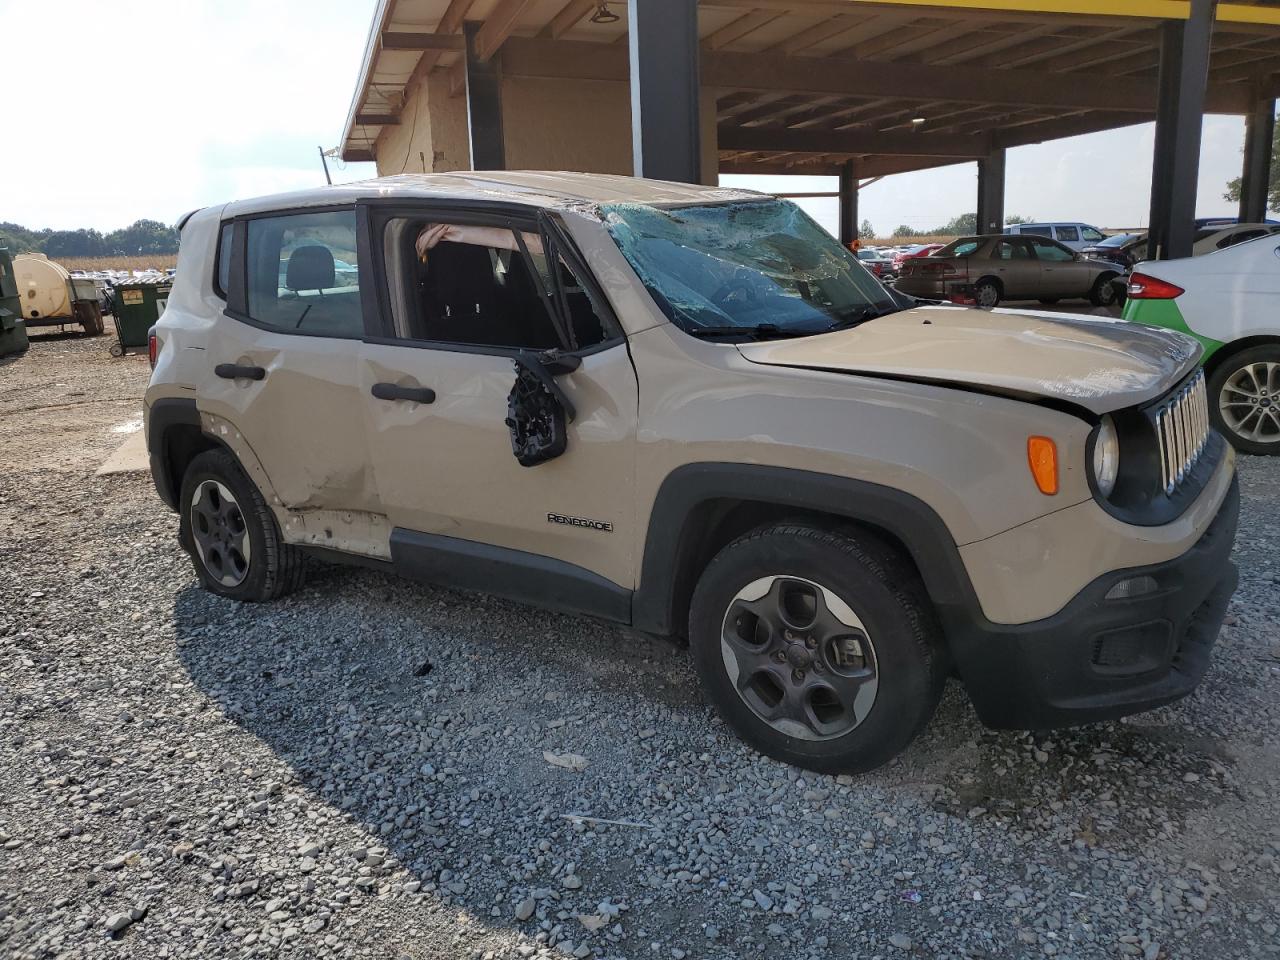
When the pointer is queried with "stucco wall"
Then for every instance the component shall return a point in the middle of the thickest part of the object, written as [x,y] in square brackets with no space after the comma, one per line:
[547,124]
[432,134]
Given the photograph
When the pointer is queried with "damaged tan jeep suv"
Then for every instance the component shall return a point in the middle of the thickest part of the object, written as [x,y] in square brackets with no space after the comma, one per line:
[691,411]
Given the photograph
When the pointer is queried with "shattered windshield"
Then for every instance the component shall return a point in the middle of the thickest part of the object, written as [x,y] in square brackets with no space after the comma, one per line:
[758,268]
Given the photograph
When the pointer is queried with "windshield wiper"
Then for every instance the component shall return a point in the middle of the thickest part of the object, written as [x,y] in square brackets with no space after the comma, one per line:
[862,316]
[759,331]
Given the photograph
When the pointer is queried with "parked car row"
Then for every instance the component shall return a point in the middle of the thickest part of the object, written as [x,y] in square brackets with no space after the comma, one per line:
[1128,249]
[989,269]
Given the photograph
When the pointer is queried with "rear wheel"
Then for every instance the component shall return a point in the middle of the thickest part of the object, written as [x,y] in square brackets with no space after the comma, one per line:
[1103,293]
[231,535]
[987,293]
[1244,399]
[818,649]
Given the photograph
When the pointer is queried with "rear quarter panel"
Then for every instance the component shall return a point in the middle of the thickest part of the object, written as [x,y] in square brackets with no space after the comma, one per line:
[1231,294]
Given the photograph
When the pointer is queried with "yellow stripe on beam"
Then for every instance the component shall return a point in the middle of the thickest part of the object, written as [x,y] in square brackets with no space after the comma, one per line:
[1245,13]
[1151,9]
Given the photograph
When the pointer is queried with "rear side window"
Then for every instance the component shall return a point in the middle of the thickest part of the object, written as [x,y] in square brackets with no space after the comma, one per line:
[222,268]
[1048,250]
[1069,234]
[303,273]
[965,247]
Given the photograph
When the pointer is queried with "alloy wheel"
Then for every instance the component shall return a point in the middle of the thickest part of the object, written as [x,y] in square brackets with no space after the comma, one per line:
[799,657]
[1249,402]
[220,533]
[987,295]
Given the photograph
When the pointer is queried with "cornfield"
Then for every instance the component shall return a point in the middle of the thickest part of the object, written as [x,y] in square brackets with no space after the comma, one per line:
[159,261]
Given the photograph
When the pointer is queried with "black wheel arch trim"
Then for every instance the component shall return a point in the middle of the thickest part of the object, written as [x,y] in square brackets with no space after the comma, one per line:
[661,596]
[163,415]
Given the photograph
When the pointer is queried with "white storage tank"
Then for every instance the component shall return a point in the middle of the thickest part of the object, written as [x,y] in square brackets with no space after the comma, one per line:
[52,297]
[43,286]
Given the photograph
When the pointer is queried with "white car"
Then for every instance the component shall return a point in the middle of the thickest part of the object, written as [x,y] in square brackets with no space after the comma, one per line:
[1211,239]
[1226,300]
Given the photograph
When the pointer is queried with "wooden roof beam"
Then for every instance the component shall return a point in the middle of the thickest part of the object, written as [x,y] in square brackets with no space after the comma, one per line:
[827,29]
[851,142]
[770,73]
[396,40]
[739,28]
[570,16]
[498,26]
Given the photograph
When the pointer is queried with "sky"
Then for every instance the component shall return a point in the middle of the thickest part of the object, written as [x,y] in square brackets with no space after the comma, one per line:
[123,109]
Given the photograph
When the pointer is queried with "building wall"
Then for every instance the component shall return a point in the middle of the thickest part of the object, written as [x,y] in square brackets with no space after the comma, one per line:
[547,124]
[432,134]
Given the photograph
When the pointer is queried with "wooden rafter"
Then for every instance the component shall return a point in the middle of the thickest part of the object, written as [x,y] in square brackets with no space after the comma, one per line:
[570,16]
[739,28]
[498,26]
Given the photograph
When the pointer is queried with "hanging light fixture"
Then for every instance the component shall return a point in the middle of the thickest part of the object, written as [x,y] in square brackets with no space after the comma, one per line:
[604,15]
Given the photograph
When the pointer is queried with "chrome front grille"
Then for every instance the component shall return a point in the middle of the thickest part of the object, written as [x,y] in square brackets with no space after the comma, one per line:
[1182,426]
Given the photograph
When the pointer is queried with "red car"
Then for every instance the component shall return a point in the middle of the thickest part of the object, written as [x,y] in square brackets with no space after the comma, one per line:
[922,250]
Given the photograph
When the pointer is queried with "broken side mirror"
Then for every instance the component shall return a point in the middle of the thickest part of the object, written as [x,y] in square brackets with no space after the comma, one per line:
[538,412]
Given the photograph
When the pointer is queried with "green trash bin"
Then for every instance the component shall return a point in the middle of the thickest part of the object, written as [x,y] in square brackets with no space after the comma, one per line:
[13,329]
[138,304]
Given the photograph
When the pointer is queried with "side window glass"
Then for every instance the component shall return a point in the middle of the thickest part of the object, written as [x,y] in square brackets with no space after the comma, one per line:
[303,273]
[222,277]
[1070,234]
[585,328]
[1091,235]
[1013,250]
[474,286]
[1241,237]
[1047,250]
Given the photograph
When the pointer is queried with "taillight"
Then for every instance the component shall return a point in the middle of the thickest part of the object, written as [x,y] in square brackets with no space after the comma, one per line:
[1143,287]
[941,269]
[153,347]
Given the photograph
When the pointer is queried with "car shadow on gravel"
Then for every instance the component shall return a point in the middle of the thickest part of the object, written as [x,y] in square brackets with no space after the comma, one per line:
[435,721]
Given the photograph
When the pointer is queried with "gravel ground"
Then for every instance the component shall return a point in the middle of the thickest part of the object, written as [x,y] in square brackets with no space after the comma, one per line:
[360,770]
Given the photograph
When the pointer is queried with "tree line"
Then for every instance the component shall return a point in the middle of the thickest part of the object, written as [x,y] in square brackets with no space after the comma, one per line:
[140,237]
[964,225]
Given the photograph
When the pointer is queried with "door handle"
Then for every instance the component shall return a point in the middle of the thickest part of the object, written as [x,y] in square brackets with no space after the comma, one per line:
[237,371]
[392,391]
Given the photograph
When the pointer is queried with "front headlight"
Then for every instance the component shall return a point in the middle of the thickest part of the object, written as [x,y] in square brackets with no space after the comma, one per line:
[1106,456]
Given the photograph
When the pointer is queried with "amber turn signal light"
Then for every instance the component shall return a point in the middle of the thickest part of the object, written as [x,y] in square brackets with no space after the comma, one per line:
[1042,457]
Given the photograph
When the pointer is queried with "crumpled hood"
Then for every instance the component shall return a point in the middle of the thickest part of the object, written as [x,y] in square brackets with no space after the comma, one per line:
[1092,362]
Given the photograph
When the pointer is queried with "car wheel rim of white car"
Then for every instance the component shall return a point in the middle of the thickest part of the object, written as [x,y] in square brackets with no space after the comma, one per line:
[1249,402]
[799,657]
[220,534]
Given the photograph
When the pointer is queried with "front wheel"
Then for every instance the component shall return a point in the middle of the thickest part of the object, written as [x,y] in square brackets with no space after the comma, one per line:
[818,649]
[231,534]
[1244,399]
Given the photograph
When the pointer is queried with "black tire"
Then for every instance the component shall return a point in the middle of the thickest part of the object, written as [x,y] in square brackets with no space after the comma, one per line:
[270,568]
[987,293]
[1103,293]
[1240,424]
[884,592]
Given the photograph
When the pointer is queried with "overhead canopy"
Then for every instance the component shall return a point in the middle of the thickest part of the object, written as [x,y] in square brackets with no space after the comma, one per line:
[804,85]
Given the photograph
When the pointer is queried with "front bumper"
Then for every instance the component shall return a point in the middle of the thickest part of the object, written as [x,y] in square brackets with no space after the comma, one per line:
[1098,659]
